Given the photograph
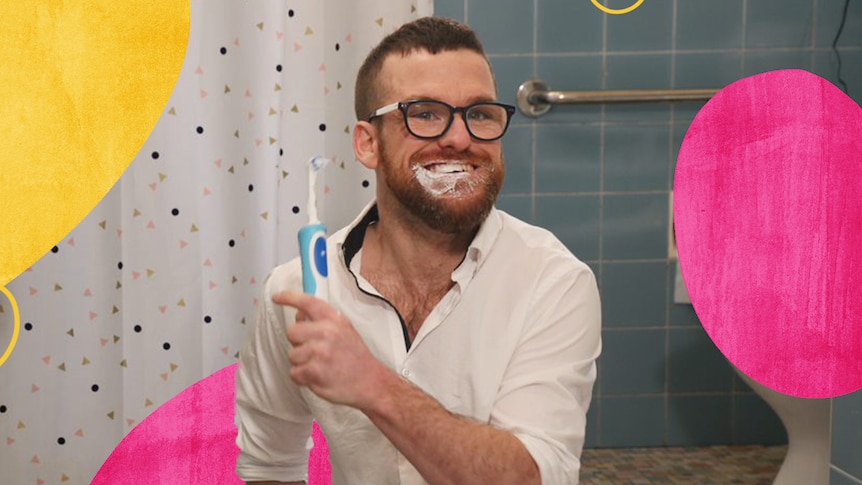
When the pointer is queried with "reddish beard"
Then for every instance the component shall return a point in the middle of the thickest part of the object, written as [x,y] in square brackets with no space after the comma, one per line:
[448,213]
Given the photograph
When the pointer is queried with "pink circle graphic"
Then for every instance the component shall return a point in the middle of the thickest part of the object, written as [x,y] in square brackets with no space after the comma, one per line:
[768,220]
[191,439]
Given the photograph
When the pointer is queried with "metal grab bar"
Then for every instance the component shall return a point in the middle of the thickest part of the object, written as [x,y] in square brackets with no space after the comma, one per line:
[535,98]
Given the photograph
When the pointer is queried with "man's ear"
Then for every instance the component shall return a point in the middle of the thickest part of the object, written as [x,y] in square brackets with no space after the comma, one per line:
[366,145]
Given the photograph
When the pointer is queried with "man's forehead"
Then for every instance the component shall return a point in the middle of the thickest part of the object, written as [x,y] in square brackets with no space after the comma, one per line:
[405,65]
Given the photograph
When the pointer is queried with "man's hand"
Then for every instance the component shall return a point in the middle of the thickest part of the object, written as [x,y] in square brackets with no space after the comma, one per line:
[328,355]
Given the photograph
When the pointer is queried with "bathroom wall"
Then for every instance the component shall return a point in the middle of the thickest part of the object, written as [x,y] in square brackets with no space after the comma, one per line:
[600,178]
[847,440]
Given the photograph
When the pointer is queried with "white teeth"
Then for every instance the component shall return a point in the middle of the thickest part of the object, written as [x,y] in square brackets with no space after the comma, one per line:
[449,178]
[450,168]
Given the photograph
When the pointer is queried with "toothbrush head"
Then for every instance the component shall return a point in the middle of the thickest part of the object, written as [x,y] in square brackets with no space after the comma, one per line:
[316,163]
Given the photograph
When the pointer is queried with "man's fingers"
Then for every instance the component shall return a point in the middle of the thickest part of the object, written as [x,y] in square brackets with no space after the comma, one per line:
[302,334]
[299,355]
[314,308]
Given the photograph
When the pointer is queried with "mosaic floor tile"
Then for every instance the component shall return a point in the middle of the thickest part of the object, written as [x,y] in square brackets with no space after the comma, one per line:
[713,465]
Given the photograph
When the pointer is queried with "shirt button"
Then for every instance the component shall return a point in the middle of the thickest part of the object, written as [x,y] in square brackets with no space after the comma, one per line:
[405,372]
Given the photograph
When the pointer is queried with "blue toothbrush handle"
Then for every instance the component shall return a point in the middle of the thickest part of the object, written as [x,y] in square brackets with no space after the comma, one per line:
[312,253]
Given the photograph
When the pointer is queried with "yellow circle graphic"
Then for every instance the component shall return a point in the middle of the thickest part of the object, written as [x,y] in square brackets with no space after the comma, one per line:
[83,83]
[618,11]
[15,329]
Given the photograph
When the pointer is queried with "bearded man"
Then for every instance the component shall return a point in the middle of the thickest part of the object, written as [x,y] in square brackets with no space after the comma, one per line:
[458,344]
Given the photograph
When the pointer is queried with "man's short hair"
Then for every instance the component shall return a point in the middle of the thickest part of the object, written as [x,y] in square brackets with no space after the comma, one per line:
[431,34]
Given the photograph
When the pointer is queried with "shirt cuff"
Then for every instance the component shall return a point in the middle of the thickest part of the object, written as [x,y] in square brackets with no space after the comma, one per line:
[250,470]
[556,465]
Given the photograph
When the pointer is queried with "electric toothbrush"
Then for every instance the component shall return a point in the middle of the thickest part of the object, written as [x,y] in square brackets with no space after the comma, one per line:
[312,240]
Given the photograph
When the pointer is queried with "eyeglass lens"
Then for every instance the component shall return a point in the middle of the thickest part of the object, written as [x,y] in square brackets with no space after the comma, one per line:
[431,119]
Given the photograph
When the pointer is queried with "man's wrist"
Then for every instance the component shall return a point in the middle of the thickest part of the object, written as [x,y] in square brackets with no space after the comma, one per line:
[380,397]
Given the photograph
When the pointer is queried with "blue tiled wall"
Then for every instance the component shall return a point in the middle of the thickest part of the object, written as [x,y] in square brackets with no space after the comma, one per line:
[600,177]
[847,440]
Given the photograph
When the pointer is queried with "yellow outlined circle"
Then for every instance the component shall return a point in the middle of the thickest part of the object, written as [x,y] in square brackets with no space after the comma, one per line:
[17,326]
[618,11]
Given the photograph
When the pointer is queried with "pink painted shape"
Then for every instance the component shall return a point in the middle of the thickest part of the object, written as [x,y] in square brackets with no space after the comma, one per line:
[191,440]
[319,467]
[768,216]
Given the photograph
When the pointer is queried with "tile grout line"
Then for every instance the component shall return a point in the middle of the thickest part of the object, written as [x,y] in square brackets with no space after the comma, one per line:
[600,265]
[744,36]
[845,474]
[534,142]
[666,407]
[654,53]
[813,30]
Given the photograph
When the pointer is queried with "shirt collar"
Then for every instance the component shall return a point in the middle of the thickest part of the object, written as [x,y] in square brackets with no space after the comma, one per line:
[476,252]
[485,237]
[353,241]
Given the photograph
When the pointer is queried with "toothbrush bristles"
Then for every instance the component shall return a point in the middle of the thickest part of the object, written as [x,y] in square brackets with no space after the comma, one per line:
[318,162]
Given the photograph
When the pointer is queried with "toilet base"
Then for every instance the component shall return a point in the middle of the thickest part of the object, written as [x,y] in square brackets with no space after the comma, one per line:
[807,422]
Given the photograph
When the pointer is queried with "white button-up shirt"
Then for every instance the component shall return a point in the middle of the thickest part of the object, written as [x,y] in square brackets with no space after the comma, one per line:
[513,344]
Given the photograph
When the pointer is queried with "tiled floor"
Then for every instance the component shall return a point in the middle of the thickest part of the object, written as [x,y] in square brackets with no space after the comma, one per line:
[714,465]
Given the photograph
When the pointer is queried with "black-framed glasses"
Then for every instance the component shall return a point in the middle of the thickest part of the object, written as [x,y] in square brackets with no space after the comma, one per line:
[428,119]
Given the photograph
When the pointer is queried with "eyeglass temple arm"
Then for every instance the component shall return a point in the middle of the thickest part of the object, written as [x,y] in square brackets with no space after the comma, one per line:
[382,111]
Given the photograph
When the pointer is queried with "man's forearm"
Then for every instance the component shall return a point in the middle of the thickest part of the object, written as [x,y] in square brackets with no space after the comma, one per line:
[445,448]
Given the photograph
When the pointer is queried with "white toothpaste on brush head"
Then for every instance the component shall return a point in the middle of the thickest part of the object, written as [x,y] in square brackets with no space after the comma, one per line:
[314,166]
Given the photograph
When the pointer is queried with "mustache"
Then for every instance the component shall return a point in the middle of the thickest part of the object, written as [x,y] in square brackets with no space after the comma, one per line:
[453,156]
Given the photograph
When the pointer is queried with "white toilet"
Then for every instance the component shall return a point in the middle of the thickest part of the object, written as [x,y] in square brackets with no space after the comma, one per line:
[808,426]
[807,422]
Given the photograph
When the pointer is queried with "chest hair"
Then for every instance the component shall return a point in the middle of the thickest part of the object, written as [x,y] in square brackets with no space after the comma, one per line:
[413,302]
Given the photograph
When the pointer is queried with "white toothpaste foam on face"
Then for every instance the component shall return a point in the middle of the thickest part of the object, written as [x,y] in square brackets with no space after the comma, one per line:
[446,178]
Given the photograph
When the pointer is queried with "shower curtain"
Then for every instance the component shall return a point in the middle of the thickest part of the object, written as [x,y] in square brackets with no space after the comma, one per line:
[155,289]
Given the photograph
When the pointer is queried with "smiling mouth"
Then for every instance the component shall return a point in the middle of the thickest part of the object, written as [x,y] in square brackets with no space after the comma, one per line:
[445,168]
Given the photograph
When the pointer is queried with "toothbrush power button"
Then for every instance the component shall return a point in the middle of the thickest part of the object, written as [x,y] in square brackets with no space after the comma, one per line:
[320,256]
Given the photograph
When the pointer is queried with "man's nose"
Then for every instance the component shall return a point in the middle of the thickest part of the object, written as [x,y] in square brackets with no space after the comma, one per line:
[457,136]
